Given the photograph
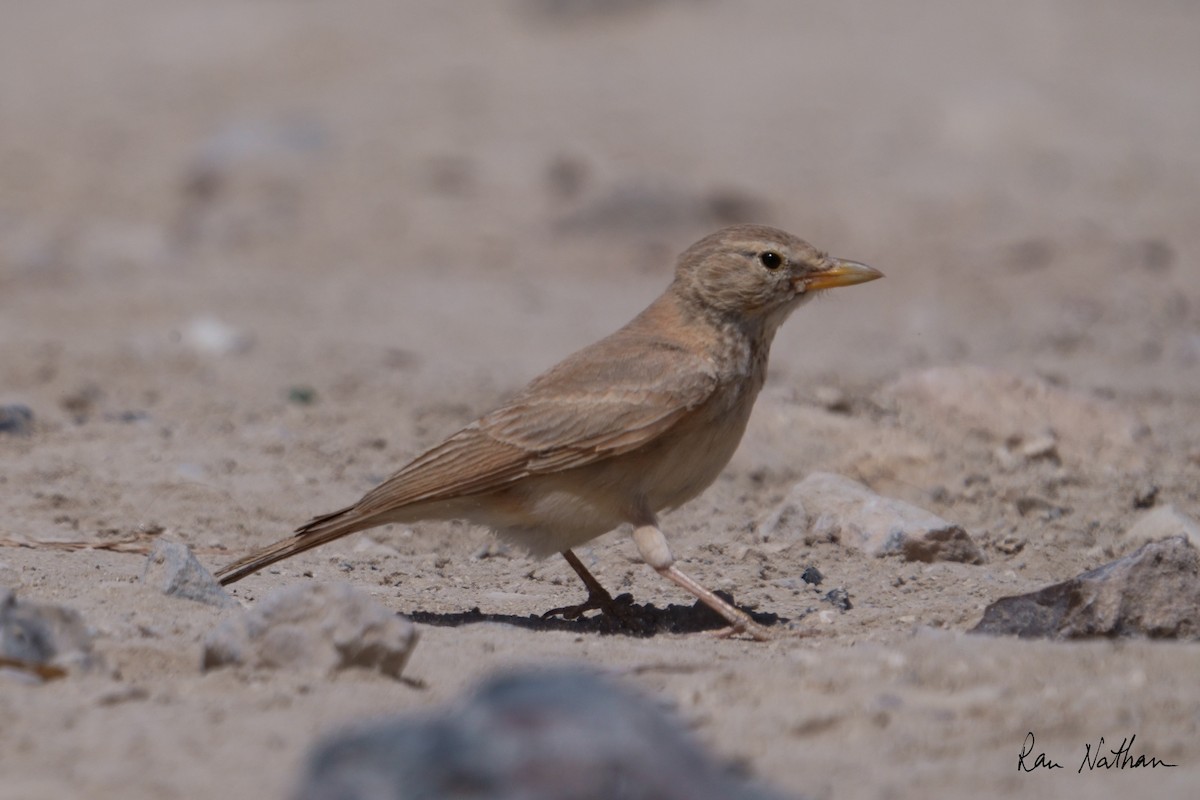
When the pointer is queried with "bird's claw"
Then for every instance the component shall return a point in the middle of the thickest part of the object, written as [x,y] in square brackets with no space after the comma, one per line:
[619,609]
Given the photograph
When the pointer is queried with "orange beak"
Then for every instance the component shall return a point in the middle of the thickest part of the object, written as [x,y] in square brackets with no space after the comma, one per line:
[839,273]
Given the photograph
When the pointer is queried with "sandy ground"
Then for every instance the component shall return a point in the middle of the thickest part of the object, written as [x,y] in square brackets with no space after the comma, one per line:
[410,209]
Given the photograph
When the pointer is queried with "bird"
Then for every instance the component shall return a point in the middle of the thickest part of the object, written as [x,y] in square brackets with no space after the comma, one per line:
[631,426]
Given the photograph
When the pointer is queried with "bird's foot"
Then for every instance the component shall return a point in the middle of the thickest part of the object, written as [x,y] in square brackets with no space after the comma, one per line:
[618,609]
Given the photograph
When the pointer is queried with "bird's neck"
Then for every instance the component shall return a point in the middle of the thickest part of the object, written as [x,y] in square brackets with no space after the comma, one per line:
[740,342]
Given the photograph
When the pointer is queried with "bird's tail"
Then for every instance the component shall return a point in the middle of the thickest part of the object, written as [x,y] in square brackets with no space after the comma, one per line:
[314,533]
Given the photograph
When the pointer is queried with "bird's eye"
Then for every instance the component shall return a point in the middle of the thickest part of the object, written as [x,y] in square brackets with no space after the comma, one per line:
[770,259]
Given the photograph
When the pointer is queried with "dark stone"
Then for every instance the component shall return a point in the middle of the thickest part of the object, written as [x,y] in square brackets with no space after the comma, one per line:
[839,598]
[1153,592]
[302,395]
[1145,496]
[16,420]
[812,575]
[532,735]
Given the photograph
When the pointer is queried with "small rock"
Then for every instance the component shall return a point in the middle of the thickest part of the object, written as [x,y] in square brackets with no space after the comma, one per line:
[302,395]
[212,337]
[847,511]
[314,627]
[563,734]
[1163,522]
[43,640]
[1041,447]
[1011,544]
[812,575]
[1145,496]
[173,570]
[1152,592]
[832,399]
[839,598]
[16,420]
[82,401]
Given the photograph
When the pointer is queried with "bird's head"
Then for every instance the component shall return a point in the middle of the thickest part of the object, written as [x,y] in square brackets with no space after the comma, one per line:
[754,271]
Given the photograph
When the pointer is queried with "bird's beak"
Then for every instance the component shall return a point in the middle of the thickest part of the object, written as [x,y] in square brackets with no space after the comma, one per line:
[839,273]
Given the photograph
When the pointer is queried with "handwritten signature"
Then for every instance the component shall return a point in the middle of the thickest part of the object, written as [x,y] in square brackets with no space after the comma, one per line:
[1121,757]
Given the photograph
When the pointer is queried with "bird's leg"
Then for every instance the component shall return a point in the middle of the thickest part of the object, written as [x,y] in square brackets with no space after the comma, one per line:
[657,553]
[598,598]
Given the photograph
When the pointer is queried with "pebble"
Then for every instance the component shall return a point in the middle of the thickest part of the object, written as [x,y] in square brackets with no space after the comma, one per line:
[16,420]
[172,569]
[1145,496]
[832,399]
[839,598]
[210,336]
[317,628]
[301,395]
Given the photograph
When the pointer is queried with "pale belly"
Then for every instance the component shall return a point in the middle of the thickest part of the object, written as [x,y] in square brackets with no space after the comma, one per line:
[552,513]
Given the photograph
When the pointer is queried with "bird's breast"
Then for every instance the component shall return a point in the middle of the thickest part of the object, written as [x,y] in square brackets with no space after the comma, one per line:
[690,457]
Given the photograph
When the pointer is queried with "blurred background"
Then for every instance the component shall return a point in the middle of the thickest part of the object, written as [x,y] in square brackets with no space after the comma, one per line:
[440,178]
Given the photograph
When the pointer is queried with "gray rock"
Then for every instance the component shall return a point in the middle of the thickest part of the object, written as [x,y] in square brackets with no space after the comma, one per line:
[16,420]
[840,509]
[1163,522]
[317,628]
[45,640]
[173,570]
[839,598]
[535,735]
[1153,592]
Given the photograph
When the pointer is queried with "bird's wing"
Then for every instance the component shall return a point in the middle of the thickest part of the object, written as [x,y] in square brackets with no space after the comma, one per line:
[597,404]
[588,408]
